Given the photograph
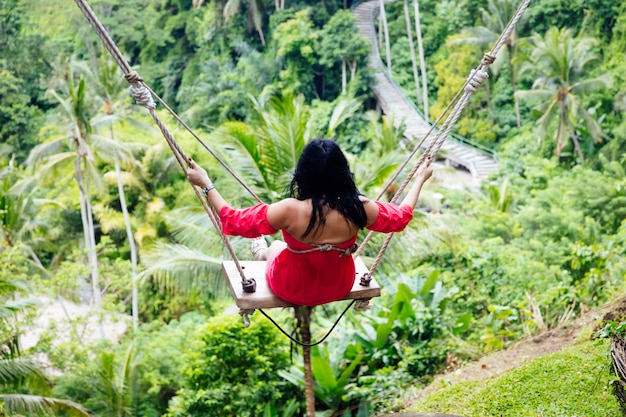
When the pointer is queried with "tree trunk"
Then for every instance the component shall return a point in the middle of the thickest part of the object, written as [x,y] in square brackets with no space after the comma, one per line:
[261,36]
[131,243]
[409,34]
[303,316]
[353,67]
[90,239]
[420,49]
[383,19]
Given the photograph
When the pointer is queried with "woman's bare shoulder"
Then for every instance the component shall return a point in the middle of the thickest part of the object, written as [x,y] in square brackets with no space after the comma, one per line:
[282,213]
[371,209]
[289,203]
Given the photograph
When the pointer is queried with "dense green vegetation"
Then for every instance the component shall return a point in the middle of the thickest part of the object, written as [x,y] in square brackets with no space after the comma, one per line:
[95,210]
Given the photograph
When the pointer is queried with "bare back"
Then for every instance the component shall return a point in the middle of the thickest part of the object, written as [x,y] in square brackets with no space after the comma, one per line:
[294,215]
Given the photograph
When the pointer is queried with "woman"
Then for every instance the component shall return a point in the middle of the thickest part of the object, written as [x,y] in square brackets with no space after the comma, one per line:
[319,223]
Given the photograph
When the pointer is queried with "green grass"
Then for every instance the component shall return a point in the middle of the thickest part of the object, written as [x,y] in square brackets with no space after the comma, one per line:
[573,382]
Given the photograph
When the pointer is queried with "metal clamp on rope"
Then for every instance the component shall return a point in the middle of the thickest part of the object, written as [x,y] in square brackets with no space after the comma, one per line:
[366,279]
[249,285]
[244,313]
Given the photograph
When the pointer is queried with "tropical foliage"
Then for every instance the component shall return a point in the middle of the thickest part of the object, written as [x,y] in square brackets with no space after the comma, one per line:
[95,210]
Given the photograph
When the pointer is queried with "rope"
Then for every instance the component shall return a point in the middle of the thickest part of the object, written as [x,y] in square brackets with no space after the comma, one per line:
[461,99]
[326,247]
[298,342]
[144,96]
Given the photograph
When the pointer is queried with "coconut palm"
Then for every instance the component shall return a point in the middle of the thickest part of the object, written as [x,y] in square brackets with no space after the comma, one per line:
[560,64]
[111,91]
[74,115]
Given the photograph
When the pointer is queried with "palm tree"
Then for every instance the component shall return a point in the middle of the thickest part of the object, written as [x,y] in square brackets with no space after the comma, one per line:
[255,14]
[111,90]
[495,19]
[75,113]
[560,62]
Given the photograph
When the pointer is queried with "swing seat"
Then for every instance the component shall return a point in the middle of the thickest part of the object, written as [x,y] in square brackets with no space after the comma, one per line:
[263,297]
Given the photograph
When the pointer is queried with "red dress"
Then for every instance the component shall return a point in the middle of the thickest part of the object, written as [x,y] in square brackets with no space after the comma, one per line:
[315,277]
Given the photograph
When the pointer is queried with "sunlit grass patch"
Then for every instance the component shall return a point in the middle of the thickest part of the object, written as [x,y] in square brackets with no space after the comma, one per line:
[573,382]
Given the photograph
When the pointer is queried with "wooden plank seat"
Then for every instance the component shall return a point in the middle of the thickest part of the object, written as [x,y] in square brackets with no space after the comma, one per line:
[263,297]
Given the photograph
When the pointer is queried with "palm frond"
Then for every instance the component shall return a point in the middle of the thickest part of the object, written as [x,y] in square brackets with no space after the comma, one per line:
[53,166]
[19,369]
[372,172]
[344,109]
[245,153]
[66,105]
[109,218]
[231,8]
[592,84]
[179,269]
[193,228]
[535,95]
[111,149]
[45,150]
[96,182]
[479,35]
[127,178]
[35,405]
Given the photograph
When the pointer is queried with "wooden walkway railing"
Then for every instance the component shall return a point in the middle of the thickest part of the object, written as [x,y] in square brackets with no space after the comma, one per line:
[458,151]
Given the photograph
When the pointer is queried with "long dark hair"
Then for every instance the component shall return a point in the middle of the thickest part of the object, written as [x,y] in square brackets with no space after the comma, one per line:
[323,175]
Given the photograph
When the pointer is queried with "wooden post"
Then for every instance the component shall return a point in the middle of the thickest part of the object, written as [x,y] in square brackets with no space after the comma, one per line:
[303,316]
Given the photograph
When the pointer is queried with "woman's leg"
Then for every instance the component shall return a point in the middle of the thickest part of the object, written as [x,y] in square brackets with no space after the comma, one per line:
[258,246]
[275,248]
[260,251]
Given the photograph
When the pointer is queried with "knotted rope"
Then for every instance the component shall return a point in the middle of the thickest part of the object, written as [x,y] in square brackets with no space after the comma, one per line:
[461,99]
[143,95]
